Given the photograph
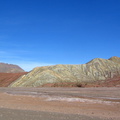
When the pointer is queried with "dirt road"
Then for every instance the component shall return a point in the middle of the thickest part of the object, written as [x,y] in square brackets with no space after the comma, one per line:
[59,103]
[10,114]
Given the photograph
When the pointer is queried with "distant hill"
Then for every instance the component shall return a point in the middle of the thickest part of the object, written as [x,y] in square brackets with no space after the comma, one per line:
[97,71]
[10,68]
[9,73]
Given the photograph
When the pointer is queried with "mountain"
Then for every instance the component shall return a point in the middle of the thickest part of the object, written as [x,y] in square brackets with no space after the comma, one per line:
[10,68]
[96,71]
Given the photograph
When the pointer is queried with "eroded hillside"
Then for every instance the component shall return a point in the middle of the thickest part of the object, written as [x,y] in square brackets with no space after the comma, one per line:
[94,71]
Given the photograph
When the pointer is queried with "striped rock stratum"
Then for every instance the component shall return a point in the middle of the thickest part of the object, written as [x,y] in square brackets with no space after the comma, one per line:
[94,71]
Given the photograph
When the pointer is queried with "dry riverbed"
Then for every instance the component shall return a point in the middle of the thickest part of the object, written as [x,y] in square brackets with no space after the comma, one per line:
[60,103]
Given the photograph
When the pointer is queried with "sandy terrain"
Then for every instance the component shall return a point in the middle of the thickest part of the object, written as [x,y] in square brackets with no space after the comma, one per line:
[60,103]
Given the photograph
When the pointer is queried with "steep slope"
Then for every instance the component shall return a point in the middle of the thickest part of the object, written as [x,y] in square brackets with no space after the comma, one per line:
[95,70]
[10,68]
[7,78]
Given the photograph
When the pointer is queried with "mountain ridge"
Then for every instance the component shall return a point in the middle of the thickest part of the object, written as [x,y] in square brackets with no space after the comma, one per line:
[97,69]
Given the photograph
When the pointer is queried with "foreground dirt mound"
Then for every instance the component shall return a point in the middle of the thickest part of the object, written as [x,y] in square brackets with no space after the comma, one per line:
[7,78]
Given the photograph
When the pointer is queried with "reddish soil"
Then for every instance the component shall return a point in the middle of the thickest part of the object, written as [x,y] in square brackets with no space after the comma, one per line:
[114,82]
[7,78]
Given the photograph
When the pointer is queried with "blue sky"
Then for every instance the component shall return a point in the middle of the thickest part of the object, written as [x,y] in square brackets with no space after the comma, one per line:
[46,32]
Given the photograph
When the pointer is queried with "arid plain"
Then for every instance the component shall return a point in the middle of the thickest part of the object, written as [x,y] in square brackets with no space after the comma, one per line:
[60,103]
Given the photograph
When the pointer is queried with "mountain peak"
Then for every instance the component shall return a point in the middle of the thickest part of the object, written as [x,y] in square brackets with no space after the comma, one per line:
[96,60]
[115,59]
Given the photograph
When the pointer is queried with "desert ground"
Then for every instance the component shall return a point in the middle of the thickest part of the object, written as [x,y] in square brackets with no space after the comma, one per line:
[60,103]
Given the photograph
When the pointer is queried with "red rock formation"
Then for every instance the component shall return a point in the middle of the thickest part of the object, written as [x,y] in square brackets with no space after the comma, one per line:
[7,78]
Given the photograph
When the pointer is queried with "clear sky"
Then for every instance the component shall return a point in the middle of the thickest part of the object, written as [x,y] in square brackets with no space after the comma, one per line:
[46,32]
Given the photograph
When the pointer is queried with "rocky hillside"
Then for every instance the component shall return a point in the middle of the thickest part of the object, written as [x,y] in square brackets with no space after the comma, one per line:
[10,68]
[59,75]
